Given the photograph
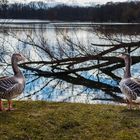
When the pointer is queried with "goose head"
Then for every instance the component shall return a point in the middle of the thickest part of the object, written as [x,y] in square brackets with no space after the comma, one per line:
[18,57]
[128,61]
[126,58]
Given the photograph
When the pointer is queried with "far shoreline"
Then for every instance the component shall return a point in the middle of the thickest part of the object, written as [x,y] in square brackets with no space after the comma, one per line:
[58,22]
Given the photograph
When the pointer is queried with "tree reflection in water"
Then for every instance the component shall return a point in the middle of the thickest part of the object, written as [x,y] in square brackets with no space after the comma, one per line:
[73,63]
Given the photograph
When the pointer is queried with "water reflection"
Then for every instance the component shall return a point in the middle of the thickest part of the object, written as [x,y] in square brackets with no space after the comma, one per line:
[59,43]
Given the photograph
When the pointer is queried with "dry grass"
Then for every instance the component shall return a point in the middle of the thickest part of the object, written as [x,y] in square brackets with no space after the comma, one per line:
[65,121]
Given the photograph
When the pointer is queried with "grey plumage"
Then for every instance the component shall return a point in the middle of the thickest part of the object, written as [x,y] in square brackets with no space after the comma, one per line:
[11,87]
[130,86]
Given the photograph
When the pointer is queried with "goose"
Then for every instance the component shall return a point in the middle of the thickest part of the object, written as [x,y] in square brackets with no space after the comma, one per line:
[129,86]
[11,87]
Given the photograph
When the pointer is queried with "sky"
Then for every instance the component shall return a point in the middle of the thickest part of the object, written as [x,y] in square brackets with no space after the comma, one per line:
[70,1]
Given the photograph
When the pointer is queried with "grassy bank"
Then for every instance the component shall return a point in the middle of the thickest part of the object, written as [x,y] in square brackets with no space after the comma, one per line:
[64,121]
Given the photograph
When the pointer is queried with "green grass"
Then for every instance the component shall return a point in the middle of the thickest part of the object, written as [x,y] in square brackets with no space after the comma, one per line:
[65,121]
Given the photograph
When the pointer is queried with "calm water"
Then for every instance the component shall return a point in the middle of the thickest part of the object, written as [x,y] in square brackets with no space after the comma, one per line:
[63,35]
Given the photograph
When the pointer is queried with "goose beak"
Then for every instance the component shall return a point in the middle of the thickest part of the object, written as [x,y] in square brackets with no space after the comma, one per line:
[122,56]
[24,59]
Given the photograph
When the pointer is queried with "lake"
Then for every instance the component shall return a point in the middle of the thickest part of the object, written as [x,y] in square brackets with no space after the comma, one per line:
[63,40]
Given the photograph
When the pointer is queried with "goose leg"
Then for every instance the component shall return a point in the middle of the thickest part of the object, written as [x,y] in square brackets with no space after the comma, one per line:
[130,105]
[1,105]
[10,105]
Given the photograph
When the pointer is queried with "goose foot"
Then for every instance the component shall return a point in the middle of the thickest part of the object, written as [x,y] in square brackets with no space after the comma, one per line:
[130,107]
[10,109]
[129,104]
[2,109]
[10,106]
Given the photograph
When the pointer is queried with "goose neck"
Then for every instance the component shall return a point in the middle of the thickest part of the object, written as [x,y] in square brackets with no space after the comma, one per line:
[15,67]
[127,68]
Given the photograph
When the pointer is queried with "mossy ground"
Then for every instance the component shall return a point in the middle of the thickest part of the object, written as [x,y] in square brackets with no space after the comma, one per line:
[65,121]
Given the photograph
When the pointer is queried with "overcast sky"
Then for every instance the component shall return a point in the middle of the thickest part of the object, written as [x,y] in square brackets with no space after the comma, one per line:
[66,1]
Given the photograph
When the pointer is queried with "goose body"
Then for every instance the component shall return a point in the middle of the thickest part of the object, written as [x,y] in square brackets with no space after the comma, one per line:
[11,87]
[130,86]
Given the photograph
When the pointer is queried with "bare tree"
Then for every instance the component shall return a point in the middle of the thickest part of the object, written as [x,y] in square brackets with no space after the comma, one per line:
[77,64]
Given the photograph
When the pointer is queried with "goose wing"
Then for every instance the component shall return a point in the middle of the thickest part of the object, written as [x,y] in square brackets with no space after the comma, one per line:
[133,85]
[7,84]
